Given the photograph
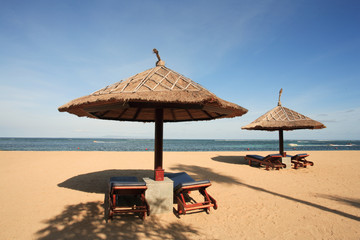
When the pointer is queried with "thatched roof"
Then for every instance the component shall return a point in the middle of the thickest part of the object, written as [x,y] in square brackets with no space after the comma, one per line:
[137,97]
[282,118]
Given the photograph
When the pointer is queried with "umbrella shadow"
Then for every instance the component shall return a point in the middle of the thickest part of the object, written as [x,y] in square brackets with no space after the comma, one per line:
[85,221]
[347,201]
[207,173]
[201,173]
[231,159]
[97,182]
[315,205]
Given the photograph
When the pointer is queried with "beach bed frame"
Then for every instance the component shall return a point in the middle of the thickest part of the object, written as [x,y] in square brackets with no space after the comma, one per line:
[299,160]
[127,195]
[271,160]
[183,185]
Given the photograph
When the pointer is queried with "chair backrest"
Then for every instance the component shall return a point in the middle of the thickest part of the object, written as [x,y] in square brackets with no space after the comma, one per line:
[125,181]
[273,156]
[179,178]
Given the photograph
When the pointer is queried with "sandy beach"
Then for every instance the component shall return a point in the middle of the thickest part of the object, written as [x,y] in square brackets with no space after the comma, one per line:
[60,195]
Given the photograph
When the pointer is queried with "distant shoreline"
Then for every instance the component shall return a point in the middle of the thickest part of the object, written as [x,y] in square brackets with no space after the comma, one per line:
[171,145]
[210,139]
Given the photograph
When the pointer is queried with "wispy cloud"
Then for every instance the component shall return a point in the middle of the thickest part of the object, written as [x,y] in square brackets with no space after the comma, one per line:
[243,51]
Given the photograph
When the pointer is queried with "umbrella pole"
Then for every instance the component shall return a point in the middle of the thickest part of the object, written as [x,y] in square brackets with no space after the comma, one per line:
[159,123]
[281,142]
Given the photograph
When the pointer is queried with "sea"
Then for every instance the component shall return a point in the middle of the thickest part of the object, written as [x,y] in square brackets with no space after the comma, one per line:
[106,144]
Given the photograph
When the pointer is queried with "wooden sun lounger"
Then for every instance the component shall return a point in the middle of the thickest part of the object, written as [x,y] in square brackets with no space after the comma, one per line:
[299,160]
[183,185]
[127,195]
[272,160]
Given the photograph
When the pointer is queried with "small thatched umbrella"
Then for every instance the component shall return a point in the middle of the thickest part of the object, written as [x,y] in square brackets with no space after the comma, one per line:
[281,118]
[156,95]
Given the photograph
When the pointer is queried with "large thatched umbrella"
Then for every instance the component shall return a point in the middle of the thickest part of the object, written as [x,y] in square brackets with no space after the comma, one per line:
[156,95]
[281,118]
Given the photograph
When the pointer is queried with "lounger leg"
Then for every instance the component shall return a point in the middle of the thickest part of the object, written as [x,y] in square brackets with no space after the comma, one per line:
[111,212]
[208,198]
[114,200]
[295,166]
[143,215]
[213,201]
[273,166]
[181,204]
[307,163]
[144,203]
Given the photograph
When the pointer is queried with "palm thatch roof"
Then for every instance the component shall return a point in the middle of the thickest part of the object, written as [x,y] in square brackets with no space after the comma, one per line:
[282,118]
[137,97]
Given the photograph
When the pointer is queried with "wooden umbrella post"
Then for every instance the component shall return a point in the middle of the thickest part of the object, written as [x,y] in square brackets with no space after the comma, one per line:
[159,124]
[281,142]
[146,96]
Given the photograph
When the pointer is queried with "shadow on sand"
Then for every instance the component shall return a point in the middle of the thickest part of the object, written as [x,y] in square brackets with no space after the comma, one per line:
[88,220]
[200,173]
[97,182]
[85,221]
[231,159]
[347,201]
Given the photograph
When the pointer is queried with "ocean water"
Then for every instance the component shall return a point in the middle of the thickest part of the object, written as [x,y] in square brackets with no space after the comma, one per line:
[94,144]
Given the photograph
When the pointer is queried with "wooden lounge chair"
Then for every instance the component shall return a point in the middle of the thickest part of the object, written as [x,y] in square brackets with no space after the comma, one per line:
[299,160]
[183,185]
[127,195]
[272,160]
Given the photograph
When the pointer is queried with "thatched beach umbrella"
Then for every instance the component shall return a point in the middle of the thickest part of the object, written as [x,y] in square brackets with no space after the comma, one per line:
[281,118]
[156,95]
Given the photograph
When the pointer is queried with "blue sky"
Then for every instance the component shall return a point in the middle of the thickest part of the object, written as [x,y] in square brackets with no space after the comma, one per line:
[243,51]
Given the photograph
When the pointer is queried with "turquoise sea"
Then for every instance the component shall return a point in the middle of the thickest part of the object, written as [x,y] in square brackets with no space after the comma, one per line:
[102,144]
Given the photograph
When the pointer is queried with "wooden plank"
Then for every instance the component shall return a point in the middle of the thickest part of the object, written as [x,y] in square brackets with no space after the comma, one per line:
[217,109]
[103,114]
[164,105]
[137,113]
[122,113]
[208,114]
[173,114]
[106,107]
[189,113]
